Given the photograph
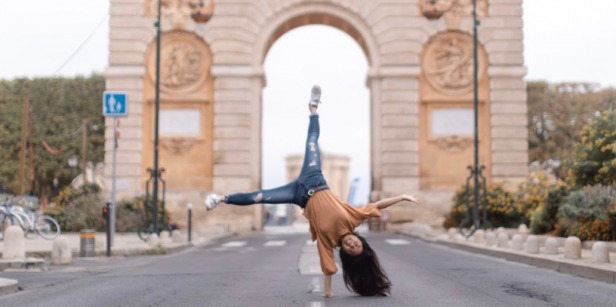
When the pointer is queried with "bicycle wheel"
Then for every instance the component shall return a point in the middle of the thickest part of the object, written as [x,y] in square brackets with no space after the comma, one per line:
[144,232]
[4,223]
[46,227]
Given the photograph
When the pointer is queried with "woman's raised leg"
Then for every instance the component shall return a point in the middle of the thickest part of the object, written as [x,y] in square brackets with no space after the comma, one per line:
[312,155]
[280,195]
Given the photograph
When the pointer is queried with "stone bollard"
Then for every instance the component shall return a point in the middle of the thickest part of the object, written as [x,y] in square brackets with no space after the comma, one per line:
[500,230]
[573,248]
[503,240]
[600,253]
[177,236]
[517,243]
[490,238]
[452,234]
[153,240]
[14,243]
[164,237]
[479,236]
[60,252]
[551,246]
[523,231]
[532,245]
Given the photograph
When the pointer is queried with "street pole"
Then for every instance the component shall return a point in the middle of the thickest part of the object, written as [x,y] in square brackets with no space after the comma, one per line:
[156,115]
[112,208]
[476,118]
[84,148]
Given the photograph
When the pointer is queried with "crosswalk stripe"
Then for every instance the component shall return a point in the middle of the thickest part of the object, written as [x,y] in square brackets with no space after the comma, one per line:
[275,243]
[397,241]
[234,244]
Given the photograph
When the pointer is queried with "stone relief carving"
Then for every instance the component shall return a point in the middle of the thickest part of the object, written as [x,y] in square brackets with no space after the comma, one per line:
[178,11]
[448,63]
[184,66]
[453,10]
[454,143]
[177,146]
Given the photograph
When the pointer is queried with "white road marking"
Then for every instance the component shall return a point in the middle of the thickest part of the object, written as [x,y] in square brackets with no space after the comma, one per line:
[234,244]
[275,243]
[397,241]
[315,304]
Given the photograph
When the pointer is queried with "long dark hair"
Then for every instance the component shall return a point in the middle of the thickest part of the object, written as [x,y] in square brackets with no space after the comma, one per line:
[363,273]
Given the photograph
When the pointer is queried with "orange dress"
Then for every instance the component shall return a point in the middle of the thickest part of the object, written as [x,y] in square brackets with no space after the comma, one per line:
[330,219]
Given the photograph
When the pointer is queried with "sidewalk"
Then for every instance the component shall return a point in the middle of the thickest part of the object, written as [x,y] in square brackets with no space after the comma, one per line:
[583,267]
[38,250]
[125,244]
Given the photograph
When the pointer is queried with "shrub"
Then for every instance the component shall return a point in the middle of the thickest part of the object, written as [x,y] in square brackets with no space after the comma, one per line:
[77,209]
[544,219]
[595,162]
[532,193]
[589,213]
[500,208]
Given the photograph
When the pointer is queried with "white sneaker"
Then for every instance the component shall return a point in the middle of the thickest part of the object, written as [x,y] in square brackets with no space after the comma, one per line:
[211,201]
[315,96]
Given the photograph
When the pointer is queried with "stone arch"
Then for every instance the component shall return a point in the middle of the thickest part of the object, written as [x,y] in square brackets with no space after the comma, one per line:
[308,14]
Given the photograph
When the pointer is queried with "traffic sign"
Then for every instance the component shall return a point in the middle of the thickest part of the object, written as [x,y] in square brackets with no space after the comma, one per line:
[115,103]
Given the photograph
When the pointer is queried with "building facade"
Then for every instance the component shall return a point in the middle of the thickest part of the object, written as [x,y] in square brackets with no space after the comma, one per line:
[421,103]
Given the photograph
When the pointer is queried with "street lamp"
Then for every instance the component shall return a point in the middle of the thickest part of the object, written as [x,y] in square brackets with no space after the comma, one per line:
[203,12]
[434,9]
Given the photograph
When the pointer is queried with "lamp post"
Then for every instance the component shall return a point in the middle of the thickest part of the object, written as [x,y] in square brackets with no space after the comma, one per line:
[154,173]
[476,171]
[203,12]
[433,10]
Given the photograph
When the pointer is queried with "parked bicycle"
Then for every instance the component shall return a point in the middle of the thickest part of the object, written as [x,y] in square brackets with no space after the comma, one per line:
[144,232]
[44,225]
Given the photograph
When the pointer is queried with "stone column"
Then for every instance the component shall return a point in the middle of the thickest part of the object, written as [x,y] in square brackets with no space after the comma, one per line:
[237,132]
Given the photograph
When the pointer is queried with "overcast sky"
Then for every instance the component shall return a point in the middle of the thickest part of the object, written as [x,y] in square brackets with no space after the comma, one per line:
[564,40]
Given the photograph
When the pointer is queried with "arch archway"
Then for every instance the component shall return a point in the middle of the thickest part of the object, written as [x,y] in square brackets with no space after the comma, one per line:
[392,35]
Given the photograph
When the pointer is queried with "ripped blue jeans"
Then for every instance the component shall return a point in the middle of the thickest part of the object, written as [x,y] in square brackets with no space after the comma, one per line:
[299,190]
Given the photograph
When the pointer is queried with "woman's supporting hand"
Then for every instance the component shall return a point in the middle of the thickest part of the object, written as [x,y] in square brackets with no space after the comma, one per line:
[327,285]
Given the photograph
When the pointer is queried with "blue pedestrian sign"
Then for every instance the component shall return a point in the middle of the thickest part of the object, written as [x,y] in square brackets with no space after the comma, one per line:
[115,103]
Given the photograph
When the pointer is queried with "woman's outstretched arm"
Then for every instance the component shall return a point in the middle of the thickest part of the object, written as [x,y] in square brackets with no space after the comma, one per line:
[384,203]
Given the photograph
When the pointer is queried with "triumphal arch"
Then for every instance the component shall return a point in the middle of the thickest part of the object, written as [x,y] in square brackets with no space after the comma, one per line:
[421,103]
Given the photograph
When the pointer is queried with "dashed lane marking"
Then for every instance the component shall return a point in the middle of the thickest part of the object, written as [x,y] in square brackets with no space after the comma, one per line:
[234,244]
[397,241]
[275,243]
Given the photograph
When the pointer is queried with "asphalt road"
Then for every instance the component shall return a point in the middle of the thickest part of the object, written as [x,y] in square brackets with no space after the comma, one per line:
[282,270]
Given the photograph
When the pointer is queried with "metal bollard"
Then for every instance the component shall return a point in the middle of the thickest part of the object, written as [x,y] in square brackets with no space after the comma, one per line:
[190,206]
[86,243]
[106,216]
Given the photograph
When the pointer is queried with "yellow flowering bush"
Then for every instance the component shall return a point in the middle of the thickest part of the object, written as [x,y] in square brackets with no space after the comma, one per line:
[532,193]
[500,207]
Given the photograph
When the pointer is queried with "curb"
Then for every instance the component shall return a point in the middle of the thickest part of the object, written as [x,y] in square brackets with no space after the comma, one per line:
[8,286]
[25,263]
[562,266]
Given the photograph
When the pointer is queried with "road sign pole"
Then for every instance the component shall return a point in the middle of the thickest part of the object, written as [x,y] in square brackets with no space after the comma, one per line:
[112,209]
[114,104]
